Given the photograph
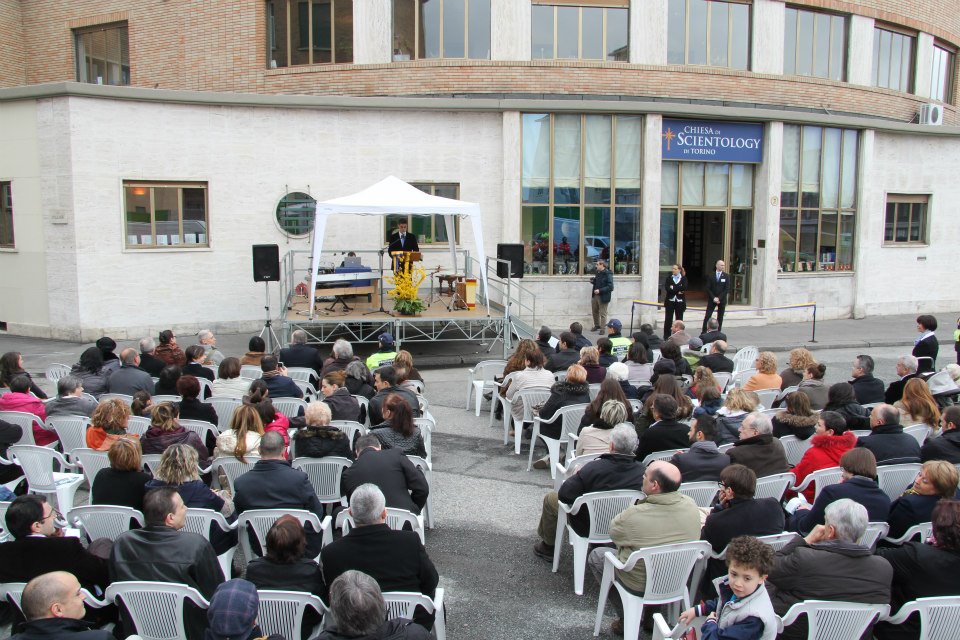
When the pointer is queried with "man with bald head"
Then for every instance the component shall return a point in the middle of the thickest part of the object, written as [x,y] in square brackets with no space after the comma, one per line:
[129,378]
[53,606]
[666,516]
[887,441]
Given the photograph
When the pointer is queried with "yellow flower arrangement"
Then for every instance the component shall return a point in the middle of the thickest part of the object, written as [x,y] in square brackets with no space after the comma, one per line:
[406,282]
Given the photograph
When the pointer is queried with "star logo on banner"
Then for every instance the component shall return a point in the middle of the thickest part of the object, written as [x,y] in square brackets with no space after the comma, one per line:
[669,136]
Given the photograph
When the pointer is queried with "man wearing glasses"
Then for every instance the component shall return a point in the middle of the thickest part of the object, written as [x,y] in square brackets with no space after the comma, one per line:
[39,546]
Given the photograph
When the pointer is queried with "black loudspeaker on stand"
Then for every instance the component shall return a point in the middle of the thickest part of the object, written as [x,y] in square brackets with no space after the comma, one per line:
[266,263]
[513,253]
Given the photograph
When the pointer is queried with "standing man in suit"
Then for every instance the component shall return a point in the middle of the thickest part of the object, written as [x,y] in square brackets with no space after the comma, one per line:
[602,286]
[403,240]
[718,285]
[674,298]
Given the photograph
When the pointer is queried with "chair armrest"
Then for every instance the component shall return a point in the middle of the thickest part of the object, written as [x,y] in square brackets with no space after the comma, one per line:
[803,485]
[438,599]
[901,616]
[92,601]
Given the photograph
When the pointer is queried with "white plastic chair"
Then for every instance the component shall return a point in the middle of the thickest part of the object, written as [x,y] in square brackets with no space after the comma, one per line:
[308,390]
[774,486]
[123,397]
[722,378]
[199,521]
[12,592]
[91,462]
[260,521]
[602,507]
[776,541]
[251,371]
[304,374]
[104,521]
[702,493]
[767,397]
[206,387]
[396,520]
[918,431]
[894,479]
[138,425]
[529,398]
[426,468]
[364,403]
[352,428]
[820,478]
[37,464]
[794,448]
[426,426]
[3,521]
[201,428]
[570,420]
[874,531]
[939,616]
[664,455]
[787,391]
[668,569]
[224,406]
[593,390]
[744,358]
[71,430]
[151,462]
[325,474]
[289,407]
[562,473]
[25,421]
[504,403]
[56,371]
[166,398]
[233,468]
[924,530]
[403,604]
[282,612]
[655,355]
[740,377]
[480,380]
[832,620]
[155,608]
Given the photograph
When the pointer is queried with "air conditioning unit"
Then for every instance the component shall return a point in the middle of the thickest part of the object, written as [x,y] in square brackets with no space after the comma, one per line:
[931,114]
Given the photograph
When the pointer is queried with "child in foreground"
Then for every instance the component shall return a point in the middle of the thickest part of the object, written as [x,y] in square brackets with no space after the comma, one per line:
[743,610]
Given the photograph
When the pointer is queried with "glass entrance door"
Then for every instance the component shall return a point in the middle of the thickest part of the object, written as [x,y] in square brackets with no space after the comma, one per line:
[703,244]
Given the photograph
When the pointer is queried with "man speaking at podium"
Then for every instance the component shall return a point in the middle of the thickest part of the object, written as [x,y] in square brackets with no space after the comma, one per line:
[403,240]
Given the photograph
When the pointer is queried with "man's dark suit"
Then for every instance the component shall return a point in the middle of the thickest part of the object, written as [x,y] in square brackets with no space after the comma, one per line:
[895,391]
[402,484]
[409,242]
[302,355]
[716,288]
[663,435]
[562,359]
[151,364]
[274,484]
[395,559]
[713,336]
[24,559]
[717,363]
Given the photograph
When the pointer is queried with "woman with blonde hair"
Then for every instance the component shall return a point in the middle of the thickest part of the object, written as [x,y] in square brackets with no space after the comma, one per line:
[108,423]
[730,416]
[917,406]
[596,437]
[702,378]
[516,362]
[936,481]
[590,361]
[405,359]
[318,439]
[243,436]
[165,430]
[797,364]
[766,376]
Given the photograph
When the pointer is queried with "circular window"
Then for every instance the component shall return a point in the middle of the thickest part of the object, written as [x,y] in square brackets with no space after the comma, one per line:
[296,212]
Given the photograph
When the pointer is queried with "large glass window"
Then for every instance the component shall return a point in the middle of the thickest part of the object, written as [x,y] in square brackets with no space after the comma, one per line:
[942,74]
[585,33]
[893,60]
[906,219]
[165,214]
[818,198]
[441,29]
[103,54]
[709,32]
[814,44]
[309,32]
[428,229]
[581,193]
[6,215]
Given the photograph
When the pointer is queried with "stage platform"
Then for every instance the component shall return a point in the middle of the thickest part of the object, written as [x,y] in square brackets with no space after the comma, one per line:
[364,322]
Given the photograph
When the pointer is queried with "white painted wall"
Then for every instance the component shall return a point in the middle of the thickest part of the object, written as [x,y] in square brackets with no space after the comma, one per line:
[860,51]
[372,31]
[648,32]
[766,50]
[510,30]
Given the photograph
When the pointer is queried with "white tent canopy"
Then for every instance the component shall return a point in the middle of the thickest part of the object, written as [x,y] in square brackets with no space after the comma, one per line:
[393,196]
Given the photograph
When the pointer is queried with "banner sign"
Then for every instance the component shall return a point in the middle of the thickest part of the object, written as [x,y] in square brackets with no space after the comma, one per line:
[711,141]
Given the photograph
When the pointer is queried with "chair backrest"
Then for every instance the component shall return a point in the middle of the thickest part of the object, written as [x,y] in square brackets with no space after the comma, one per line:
[206,386]
[487,370]
[702,492]
[151,462]
[426,426]
[402,604]
[224,406]
[260,520]
[918,431]
[3,521]
[776,541]
[91,461]
[166,398]
[603,506]
[364,403]
[787,391]
[924,530]
[201,428]
[560,376]
[233,468]
[939,616]
[352,428]
[138,425]
[824,478]
[744,357]
[572,467]
[56,371]
[664,455]
[289,407]
[307,388]
[324,474]
[770,412]
[654,355]
[835,620]
[71,430]
[774,486]
[37,464]
[794,448]
[12,592]
[304,374]
[155,608]
[24,421]
[668,569]
[874,531]
[594,390]
[104,521]
[740,377]
[894,479]
[281,612]
[530,398]
[722,378]
[116,396]
[251,371]
[397,519]
[767,397]
[199,521]
[417,385]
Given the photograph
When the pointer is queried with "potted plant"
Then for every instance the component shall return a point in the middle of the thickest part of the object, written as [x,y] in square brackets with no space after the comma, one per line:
[406,284]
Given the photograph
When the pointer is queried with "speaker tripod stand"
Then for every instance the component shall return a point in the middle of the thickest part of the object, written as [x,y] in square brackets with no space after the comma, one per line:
[267,333]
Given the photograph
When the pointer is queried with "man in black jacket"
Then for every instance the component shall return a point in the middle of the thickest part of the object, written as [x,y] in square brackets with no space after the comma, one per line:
[718,284]
[704,460]
[385,382]
[404,486]
[907,370]
[887,441]
[713,333]
[946,446]
[580,341]
[273,483]
[9,434]
[149,362]
[618,469]
[716,361]
[53,605]
[602,287]
[395,559]
[666,432]
[566,354]
[866,388]
[301,354]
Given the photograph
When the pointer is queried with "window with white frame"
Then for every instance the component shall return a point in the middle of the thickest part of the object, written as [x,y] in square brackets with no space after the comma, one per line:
[165,214]
[906,219]
[709,32]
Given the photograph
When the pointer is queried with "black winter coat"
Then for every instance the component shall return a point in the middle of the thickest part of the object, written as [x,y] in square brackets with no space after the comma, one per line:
[856,415]
[919,571]
[740,517]
[320,442]
[562,394]
[608,472]
[57,628]
[343,406]
[663,436]
[944,447]
[862,490]
[890,444]
[867,389]
[402,484]
[703,461]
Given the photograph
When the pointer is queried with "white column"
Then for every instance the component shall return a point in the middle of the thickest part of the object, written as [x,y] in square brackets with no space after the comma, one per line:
[766,50]
[372,25]
[648,31]
[869,198]
[650,215]
[767,178]
[924,68]
[510,205]
[860,51]
[510,30]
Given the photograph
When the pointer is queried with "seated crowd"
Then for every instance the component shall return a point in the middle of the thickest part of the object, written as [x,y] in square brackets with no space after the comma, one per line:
[195,468]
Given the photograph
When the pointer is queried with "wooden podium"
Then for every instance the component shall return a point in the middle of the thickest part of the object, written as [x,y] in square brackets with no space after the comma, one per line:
[402,258]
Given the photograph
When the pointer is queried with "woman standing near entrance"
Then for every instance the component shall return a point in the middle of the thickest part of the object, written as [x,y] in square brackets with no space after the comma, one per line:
[675,297]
